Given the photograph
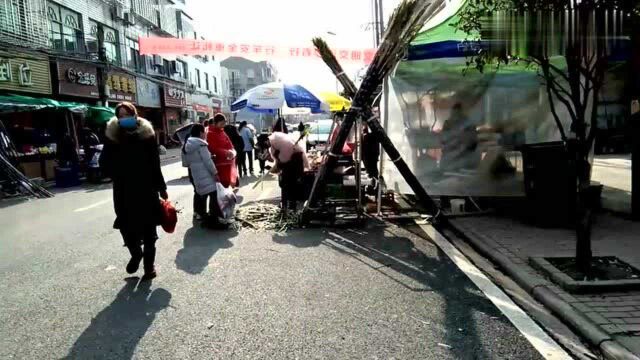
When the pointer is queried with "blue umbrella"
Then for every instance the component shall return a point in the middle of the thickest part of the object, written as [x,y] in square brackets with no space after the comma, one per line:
[267,98]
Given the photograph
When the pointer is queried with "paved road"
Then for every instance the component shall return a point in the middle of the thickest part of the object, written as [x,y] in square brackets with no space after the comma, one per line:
[378,292]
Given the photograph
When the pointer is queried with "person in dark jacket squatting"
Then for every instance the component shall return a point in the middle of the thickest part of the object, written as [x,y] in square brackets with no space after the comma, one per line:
[130,158]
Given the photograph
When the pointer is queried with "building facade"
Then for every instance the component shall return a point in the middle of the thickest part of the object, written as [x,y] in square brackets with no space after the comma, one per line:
[65,36]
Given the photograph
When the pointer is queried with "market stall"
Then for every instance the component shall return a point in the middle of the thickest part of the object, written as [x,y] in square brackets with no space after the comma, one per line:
[46,133]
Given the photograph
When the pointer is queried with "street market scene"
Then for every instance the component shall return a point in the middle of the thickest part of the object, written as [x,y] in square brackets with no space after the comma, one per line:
[371,179]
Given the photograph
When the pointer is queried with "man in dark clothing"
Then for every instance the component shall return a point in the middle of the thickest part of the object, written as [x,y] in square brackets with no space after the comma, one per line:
[130,157]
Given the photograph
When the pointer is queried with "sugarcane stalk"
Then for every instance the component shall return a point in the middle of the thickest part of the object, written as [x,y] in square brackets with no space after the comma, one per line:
[377,129]
[405,22]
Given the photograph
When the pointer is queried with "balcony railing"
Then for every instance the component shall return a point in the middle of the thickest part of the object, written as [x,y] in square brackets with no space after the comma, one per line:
[24,23]
[145,10]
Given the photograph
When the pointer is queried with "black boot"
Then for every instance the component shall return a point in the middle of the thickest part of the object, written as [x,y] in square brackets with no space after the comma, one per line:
[149,258]
[136,257]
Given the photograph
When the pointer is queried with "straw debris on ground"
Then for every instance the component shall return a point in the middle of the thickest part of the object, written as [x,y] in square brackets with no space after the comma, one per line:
[266,217]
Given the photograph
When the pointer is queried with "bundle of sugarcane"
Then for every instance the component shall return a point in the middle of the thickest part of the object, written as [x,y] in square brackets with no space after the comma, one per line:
[266,217]
[406,21]
[330,59]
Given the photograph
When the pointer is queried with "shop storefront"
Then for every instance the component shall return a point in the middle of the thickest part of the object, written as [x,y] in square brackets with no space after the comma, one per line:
[121,87]
[175,101]
[150,105]
[202,111]
[78,80]
[24,73]
[203,106]
[217,105]
[35,133]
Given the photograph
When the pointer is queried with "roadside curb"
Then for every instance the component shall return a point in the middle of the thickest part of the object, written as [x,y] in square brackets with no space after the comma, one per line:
[539,289]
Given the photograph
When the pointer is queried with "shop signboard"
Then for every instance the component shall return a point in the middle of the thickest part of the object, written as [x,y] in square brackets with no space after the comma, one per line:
[122,87]
[26,73]
[78,79]
[202,108]
[217,104]
[174,96]
[148,93]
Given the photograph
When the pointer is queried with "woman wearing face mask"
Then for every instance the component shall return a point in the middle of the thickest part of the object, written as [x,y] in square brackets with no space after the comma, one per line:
[130,158]
[224,154]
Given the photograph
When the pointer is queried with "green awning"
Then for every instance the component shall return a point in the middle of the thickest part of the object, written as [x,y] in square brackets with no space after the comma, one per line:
[445,31]
[17,103]
[100,115]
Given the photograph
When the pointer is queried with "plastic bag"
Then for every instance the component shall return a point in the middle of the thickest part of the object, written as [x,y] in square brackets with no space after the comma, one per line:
[227,201]
[169,216]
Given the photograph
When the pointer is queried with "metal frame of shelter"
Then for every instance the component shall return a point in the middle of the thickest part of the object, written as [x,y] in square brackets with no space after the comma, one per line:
[362,100]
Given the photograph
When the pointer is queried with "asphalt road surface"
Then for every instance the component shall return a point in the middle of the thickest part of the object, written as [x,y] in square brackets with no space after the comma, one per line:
[373,293]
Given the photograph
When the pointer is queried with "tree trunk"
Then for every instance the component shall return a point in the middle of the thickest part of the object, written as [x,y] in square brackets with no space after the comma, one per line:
[584,210]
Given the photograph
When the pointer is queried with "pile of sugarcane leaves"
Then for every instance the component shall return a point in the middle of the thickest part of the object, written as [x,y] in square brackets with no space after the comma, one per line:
[263,216]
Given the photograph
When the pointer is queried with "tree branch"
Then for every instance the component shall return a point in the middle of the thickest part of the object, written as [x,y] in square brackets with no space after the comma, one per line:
[552,105]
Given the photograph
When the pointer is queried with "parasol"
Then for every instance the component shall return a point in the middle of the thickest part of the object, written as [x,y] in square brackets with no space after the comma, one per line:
[268,98]
[336,102]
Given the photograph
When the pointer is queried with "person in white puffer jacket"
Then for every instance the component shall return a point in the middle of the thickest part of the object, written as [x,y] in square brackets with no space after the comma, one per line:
[202,174]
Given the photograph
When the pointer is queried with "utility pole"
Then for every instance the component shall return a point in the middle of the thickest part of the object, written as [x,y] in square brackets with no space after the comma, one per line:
[635,119]
[103,69]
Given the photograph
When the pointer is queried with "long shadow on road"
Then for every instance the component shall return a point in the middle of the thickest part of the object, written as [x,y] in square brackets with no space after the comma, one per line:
[115,332]
[464,304]
[200,244]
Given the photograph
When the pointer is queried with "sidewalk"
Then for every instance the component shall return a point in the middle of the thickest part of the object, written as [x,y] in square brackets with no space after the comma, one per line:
[617,314]
[171,155]
[614,173]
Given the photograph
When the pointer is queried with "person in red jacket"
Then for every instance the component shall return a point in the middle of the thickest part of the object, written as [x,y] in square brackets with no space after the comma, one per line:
[222,150]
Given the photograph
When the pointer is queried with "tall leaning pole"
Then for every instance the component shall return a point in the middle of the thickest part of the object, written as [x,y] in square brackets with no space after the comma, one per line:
[405,22]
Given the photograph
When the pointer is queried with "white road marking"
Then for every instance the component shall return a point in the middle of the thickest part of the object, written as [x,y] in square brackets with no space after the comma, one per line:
[174,171]
[545,345]
[102,202]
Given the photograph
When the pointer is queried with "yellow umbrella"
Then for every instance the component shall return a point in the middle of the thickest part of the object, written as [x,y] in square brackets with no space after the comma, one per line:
[335,101]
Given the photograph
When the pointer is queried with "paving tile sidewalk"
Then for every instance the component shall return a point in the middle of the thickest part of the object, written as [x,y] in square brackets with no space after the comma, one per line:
[617,313]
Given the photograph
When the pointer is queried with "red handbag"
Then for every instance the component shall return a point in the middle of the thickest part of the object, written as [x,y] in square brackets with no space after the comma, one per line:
[169,216]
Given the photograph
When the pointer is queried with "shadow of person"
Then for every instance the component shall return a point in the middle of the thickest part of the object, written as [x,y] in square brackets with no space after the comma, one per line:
[200,244]
[115,332]
[179,181]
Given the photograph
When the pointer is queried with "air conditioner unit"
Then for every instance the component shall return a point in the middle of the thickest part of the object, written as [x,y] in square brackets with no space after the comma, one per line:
[206,58]
[117,12]
[157,60]
[129,18]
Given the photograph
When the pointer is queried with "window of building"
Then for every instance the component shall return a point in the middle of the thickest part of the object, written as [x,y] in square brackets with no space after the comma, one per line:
[133,54]
[206,81]
[215,84]
[198,78]
[251,74]
[181,67]
[166,67]
[110,41]
[65,29]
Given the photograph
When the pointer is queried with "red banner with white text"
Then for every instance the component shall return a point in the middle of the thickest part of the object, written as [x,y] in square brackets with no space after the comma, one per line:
[169,46]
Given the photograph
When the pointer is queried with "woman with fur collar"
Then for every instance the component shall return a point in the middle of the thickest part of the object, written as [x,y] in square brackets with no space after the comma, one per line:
[130,158]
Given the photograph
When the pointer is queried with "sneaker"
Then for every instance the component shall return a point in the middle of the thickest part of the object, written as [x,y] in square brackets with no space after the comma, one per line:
[134,264]
[148,275]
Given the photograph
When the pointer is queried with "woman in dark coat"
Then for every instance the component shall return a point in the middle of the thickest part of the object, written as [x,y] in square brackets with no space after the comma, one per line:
[238,145]
[130,158]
